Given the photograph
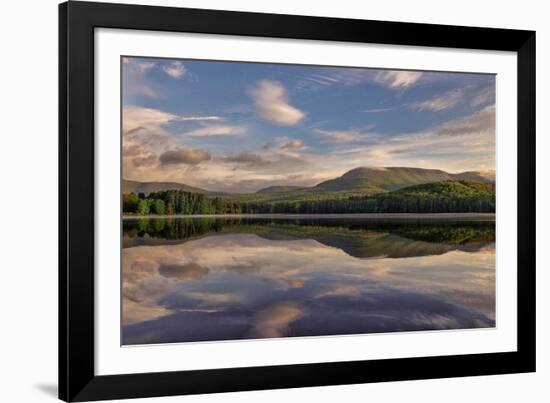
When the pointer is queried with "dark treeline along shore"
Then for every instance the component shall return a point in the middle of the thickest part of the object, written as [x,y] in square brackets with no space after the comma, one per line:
[440,197]
[363,190]
[167,230]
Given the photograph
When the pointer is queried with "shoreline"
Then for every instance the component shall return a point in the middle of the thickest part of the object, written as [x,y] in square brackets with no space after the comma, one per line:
[405,216]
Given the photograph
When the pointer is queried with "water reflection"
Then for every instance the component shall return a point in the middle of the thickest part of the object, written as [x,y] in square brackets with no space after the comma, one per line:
[194,279]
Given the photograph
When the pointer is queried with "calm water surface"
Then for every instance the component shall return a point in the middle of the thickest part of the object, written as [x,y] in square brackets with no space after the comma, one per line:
[199,279]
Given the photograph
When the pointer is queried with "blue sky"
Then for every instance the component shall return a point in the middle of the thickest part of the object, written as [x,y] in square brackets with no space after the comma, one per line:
[235,126]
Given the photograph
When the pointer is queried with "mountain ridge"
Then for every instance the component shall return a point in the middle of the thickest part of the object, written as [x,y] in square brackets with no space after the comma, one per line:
[380,179]
[368,180]
[130,186]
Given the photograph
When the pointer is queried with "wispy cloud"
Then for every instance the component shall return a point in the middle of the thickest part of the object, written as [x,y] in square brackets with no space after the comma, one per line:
[200,118]
[138,155]
[145,137]
[189,156]
[134,71]
[472,137]
[484,97]
[217,130]
[265,164]
[272,104]
[296,143]
[298,139]
[249,159]
[346,135]
[341,290]
[175,69]
[137,65]
[339,136]
[398,79]
[274,320]
[376,110]
[392,79]
[438,103]
[213,298]
[135,117]
[481,122]
[139,75]
[144,67]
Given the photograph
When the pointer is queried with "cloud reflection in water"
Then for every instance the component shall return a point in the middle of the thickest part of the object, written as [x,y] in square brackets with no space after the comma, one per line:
[248,282]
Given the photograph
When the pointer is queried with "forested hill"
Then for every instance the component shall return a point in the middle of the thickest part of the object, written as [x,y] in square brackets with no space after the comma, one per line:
[438,197]
[376,180]
[358,181]
[448,189]
[361,190]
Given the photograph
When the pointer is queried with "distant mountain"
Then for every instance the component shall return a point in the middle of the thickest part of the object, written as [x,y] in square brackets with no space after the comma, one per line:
[358,181]
[129,186]
[278,189]
[475,176]
[374,180]
[489,174]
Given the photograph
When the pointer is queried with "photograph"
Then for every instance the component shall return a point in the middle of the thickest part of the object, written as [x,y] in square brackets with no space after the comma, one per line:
[265,200]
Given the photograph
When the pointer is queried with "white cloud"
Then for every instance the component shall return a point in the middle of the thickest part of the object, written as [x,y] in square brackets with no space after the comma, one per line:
[141,67]
[484,97]
[295,143]
[137,155]
[175,69]
[377,110]
[482,122]
[134,117]
[439,103]
[462,144]
[200,118]
[340,136]
[272,104]
[392,79]
[135,83]
[397,79]
[217,130]
[144,67]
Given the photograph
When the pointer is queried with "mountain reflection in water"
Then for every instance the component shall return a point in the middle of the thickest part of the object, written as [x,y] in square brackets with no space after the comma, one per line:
[199,279]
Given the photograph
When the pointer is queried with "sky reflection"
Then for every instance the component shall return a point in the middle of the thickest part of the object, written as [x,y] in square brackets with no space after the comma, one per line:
[245,282]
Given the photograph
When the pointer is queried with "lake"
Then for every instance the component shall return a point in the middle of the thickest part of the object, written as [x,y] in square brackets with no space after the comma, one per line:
[224,278]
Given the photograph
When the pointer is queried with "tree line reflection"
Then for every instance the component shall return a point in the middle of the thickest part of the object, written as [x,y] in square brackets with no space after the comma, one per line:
[156,230]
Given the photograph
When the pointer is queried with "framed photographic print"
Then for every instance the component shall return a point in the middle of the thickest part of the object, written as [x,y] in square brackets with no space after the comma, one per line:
[254,201]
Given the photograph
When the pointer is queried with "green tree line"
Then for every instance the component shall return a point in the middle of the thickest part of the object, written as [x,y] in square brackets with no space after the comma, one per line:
[438,197]
[375,204]
[180,202]
[172,202]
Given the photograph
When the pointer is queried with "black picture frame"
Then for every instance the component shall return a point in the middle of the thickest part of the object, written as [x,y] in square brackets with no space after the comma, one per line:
[77,379]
